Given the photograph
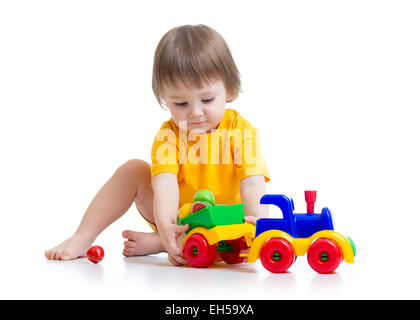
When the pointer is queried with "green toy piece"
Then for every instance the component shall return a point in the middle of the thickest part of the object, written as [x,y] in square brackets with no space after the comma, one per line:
[217,215]
[205,213]
[204,195]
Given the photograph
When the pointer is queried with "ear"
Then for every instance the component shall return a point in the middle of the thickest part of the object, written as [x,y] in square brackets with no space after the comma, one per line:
[228,97]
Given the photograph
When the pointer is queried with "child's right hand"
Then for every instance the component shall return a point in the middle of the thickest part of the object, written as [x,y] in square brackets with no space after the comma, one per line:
[172,236]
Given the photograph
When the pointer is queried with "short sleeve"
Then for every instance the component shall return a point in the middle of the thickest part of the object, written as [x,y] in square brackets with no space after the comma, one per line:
[248,157]
[165,152]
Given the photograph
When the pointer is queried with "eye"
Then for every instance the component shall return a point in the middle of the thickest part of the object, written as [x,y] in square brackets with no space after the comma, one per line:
[207,100]
[180,104]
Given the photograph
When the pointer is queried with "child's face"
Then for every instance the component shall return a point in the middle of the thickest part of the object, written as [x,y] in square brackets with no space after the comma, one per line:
[200,108]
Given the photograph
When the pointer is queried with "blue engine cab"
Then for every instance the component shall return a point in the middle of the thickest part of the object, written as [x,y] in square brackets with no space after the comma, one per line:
[298,225]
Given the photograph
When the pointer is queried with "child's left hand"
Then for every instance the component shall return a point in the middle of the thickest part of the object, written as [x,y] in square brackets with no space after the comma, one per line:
[251,219]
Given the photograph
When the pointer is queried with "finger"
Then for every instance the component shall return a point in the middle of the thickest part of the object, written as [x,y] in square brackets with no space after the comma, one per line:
[174,250]
[182,229]
[178,255]
[251,219]
[186,226]
[172,260]
[177,260]
[180,259]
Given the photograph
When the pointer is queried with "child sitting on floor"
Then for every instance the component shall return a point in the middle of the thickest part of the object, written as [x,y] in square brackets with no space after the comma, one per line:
[203,146]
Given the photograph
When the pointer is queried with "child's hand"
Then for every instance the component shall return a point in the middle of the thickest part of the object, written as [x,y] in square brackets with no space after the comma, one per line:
[172,236]
[251,219]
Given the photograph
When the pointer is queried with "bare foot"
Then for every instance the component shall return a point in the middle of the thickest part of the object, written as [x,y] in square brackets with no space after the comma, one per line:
[73,248]
[141,243]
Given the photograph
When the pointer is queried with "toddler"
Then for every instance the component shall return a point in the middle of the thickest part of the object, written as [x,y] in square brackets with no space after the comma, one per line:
[203,146]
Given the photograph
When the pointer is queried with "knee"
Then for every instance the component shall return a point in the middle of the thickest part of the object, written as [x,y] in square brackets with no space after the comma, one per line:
[134,167]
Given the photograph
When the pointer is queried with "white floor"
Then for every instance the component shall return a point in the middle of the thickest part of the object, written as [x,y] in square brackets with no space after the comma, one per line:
[27,275]
[154,278]
[386,265]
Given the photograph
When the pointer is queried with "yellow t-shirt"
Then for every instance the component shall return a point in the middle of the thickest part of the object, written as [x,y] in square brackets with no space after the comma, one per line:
[216,161]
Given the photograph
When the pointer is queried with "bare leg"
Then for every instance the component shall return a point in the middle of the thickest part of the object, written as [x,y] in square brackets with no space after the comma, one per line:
[130,183]
[143,243]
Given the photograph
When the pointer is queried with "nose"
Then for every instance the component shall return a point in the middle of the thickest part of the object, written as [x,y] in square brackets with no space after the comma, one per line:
[196,111]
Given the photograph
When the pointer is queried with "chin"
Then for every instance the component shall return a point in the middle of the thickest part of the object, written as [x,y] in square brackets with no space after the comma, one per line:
[198,129]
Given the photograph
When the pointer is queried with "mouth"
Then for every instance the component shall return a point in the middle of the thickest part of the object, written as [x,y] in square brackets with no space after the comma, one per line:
[199,122]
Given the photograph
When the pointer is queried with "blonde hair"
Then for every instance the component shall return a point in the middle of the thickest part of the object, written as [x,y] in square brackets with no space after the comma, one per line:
[194,54]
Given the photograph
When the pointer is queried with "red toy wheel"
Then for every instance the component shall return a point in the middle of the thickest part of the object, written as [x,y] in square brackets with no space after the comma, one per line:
[277,255]
[324,255]
[198,252]
[233,256]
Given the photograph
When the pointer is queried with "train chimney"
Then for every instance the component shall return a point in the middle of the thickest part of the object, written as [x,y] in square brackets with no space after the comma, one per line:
[310,198]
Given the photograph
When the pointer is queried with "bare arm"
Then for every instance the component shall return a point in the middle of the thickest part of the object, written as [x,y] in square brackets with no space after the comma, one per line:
[165,208]
[252,189]
[166,197]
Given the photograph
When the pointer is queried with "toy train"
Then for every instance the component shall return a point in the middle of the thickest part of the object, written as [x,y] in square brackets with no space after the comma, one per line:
[220,230]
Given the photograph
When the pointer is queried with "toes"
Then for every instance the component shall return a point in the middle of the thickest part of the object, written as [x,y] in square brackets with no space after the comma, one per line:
[53,254]
[130,244]
[129,248]
[48,254]
[127,234]
[65,256]
[57,254]
[128,252]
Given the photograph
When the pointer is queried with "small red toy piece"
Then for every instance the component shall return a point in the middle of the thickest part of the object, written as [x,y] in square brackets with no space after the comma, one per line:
[95,254]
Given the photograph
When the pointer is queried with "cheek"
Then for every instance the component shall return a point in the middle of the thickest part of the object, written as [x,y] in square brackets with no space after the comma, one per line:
[177,115]
[215,116]
[218,111]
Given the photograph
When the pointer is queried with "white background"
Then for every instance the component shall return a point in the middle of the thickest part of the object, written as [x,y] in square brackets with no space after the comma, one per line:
[333,87]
